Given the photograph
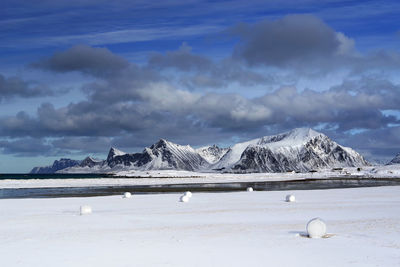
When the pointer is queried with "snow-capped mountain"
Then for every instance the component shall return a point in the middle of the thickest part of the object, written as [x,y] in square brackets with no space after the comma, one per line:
[212,153]
[167,155]
[57,165]
[301,149]
[90,162]
[114,152]
[395,160]
[162,155]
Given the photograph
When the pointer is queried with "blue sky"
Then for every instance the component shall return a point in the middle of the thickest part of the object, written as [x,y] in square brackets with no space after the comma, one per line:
[77,77]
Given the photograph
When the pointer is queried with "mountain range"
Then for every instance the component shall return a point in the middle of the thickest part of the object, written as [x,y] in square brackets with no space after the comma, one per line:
[300,150]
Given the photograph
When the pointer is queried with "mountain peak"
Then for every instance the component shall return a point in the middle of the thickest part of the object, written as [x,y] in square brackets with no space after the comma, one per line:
[395,160]
[302,133]
[162,143]
[212,154]
[113,153]
[295,137]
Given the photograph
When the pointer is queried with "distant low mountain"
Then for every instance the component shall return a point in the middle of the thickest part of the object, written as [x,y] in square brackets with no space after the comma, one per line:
[395,160]
[301,149]
[57,165]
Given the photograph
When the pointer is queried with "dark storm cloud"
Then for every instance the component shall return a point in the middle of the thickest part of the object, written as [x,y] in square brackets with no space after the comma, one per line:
[15,87]
[86,59]
[286,40]
[81,119]
[158,106]
[306,45]
[181,59]
[353,104]
[196,71]
[83,144]
[26,147]
[381,144]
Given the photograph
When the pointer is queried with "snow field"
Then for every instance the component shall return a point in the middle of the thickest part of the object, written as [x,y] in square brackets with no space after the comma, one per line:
[216,229]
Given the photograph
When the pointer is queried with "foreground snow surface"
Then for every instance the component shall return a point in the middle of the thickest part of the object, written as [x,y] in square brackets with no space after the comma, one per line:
[213,229]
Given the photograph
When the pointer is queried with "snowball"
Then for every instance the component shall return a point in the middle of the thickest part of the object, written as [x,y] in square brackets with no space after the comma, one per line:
[127,195]
[188,193]
[249,189]
[290,198]
[316,228]
[184,198]
[85,210]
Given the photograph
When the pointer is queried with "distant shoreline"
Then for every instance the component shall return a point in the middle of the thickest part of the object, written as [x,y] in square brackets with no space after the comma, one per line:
[90,191]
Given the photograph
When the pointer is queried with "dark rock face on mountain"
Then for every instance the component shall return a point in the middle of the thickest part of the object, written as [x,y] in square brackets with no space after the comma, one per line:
[212,153]
[395,160]
[167,155]
[299,150]
[128,160]
[91,162]
[57,165]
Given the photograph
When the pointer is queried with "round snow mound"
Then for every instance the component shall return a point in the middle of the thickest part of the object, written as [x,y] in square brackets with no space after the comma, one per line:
[188,193]
[85,210]
[316,228]
[290,198]
[249,189]
[127,195]
[184,198]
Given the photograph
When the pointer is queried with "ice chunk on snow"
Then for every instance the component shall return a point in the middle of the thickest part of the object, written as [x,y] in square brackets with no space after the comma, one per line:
[85,210]
[316,228]
[127,195]
[290,198]
[188,193]
[249,189]
[184,198]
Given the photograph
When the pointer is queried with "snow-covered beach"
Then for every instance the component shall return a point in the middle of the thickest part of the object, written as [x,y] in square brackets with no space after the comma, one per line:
[163,177]
[212,229]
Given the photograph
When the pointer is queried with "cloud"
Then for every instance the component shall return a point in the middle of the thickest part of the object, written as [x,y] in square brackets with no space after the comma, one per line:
[82,145]
[353,104]
[181,59]
[26,147]
[291,40]
[380,144]
[86,59]
[15,87]
[179,95]
[197,71]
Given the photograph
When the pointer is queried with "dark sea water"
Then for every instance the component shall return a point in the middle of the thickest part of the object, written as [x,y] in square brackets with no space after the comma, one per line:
[52,192]
[28,176]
